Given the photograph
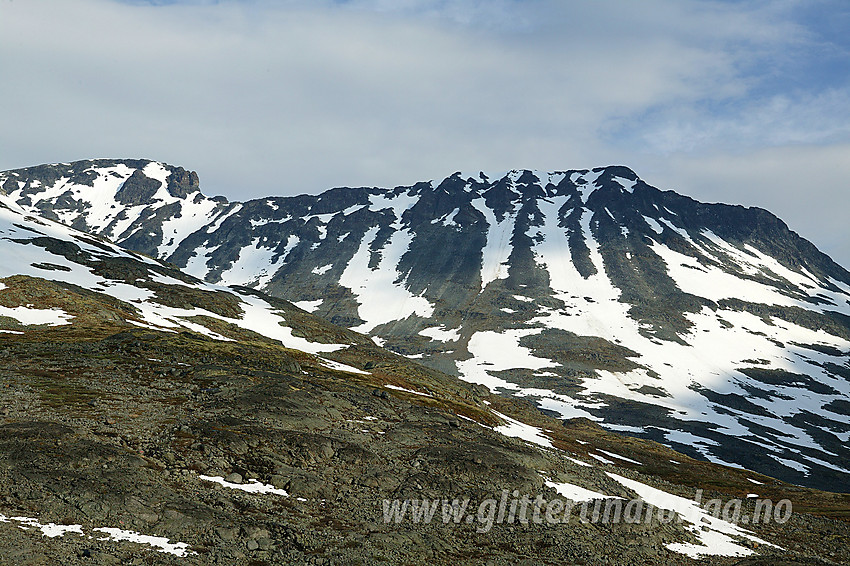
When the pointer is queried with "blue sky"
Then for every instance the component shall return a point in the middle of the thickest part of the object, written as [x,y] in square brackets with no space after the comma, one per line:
[743,102]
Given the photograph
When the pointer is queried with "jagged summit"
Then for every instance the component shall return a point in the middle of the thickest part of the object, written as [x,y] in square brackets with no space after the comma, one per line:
[708,327]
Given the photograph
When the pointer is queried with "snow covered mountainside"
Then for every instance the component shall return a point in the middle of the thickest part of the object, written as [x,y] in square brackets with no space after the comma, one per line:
[55,276]
[711,328]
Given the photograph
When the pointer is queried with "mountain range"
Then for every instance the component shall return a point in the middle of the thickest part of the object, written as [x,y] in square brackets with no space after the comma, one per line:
[711,328]
[610,340]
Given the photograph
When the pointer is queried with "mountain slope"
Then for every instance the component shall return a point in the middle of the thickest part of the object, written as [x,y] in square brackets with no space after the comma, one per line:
[710,328]
[148,416]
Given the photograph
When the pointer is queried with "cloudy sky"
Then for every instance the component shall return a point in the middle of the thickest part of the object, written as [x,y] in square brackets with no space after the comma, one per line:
[739,101]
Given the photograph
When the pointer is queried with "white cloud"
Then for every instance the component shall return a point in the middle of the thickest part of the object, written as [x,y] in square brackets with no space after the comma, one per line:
[778,120]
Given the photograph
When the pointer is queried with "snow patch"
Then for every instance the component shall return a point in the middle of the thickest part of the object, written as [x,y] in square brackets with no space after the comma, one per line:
[380,291]
[397,388]
[53,530]
[331,364]
[253,486]
[717,540]
[309,306]
[656,227]
[498,249]
[516,429]
[162,544]
[441,334]
[31,316]
[576,493]
[252,267]
[50,530]
[627,184]
[623,458]
[579,462]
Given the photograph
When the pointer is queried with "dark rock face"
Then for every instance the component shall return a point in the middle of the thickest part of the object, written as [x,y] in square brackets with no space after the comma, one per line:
[181,183]
[589,291]
[137,189]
